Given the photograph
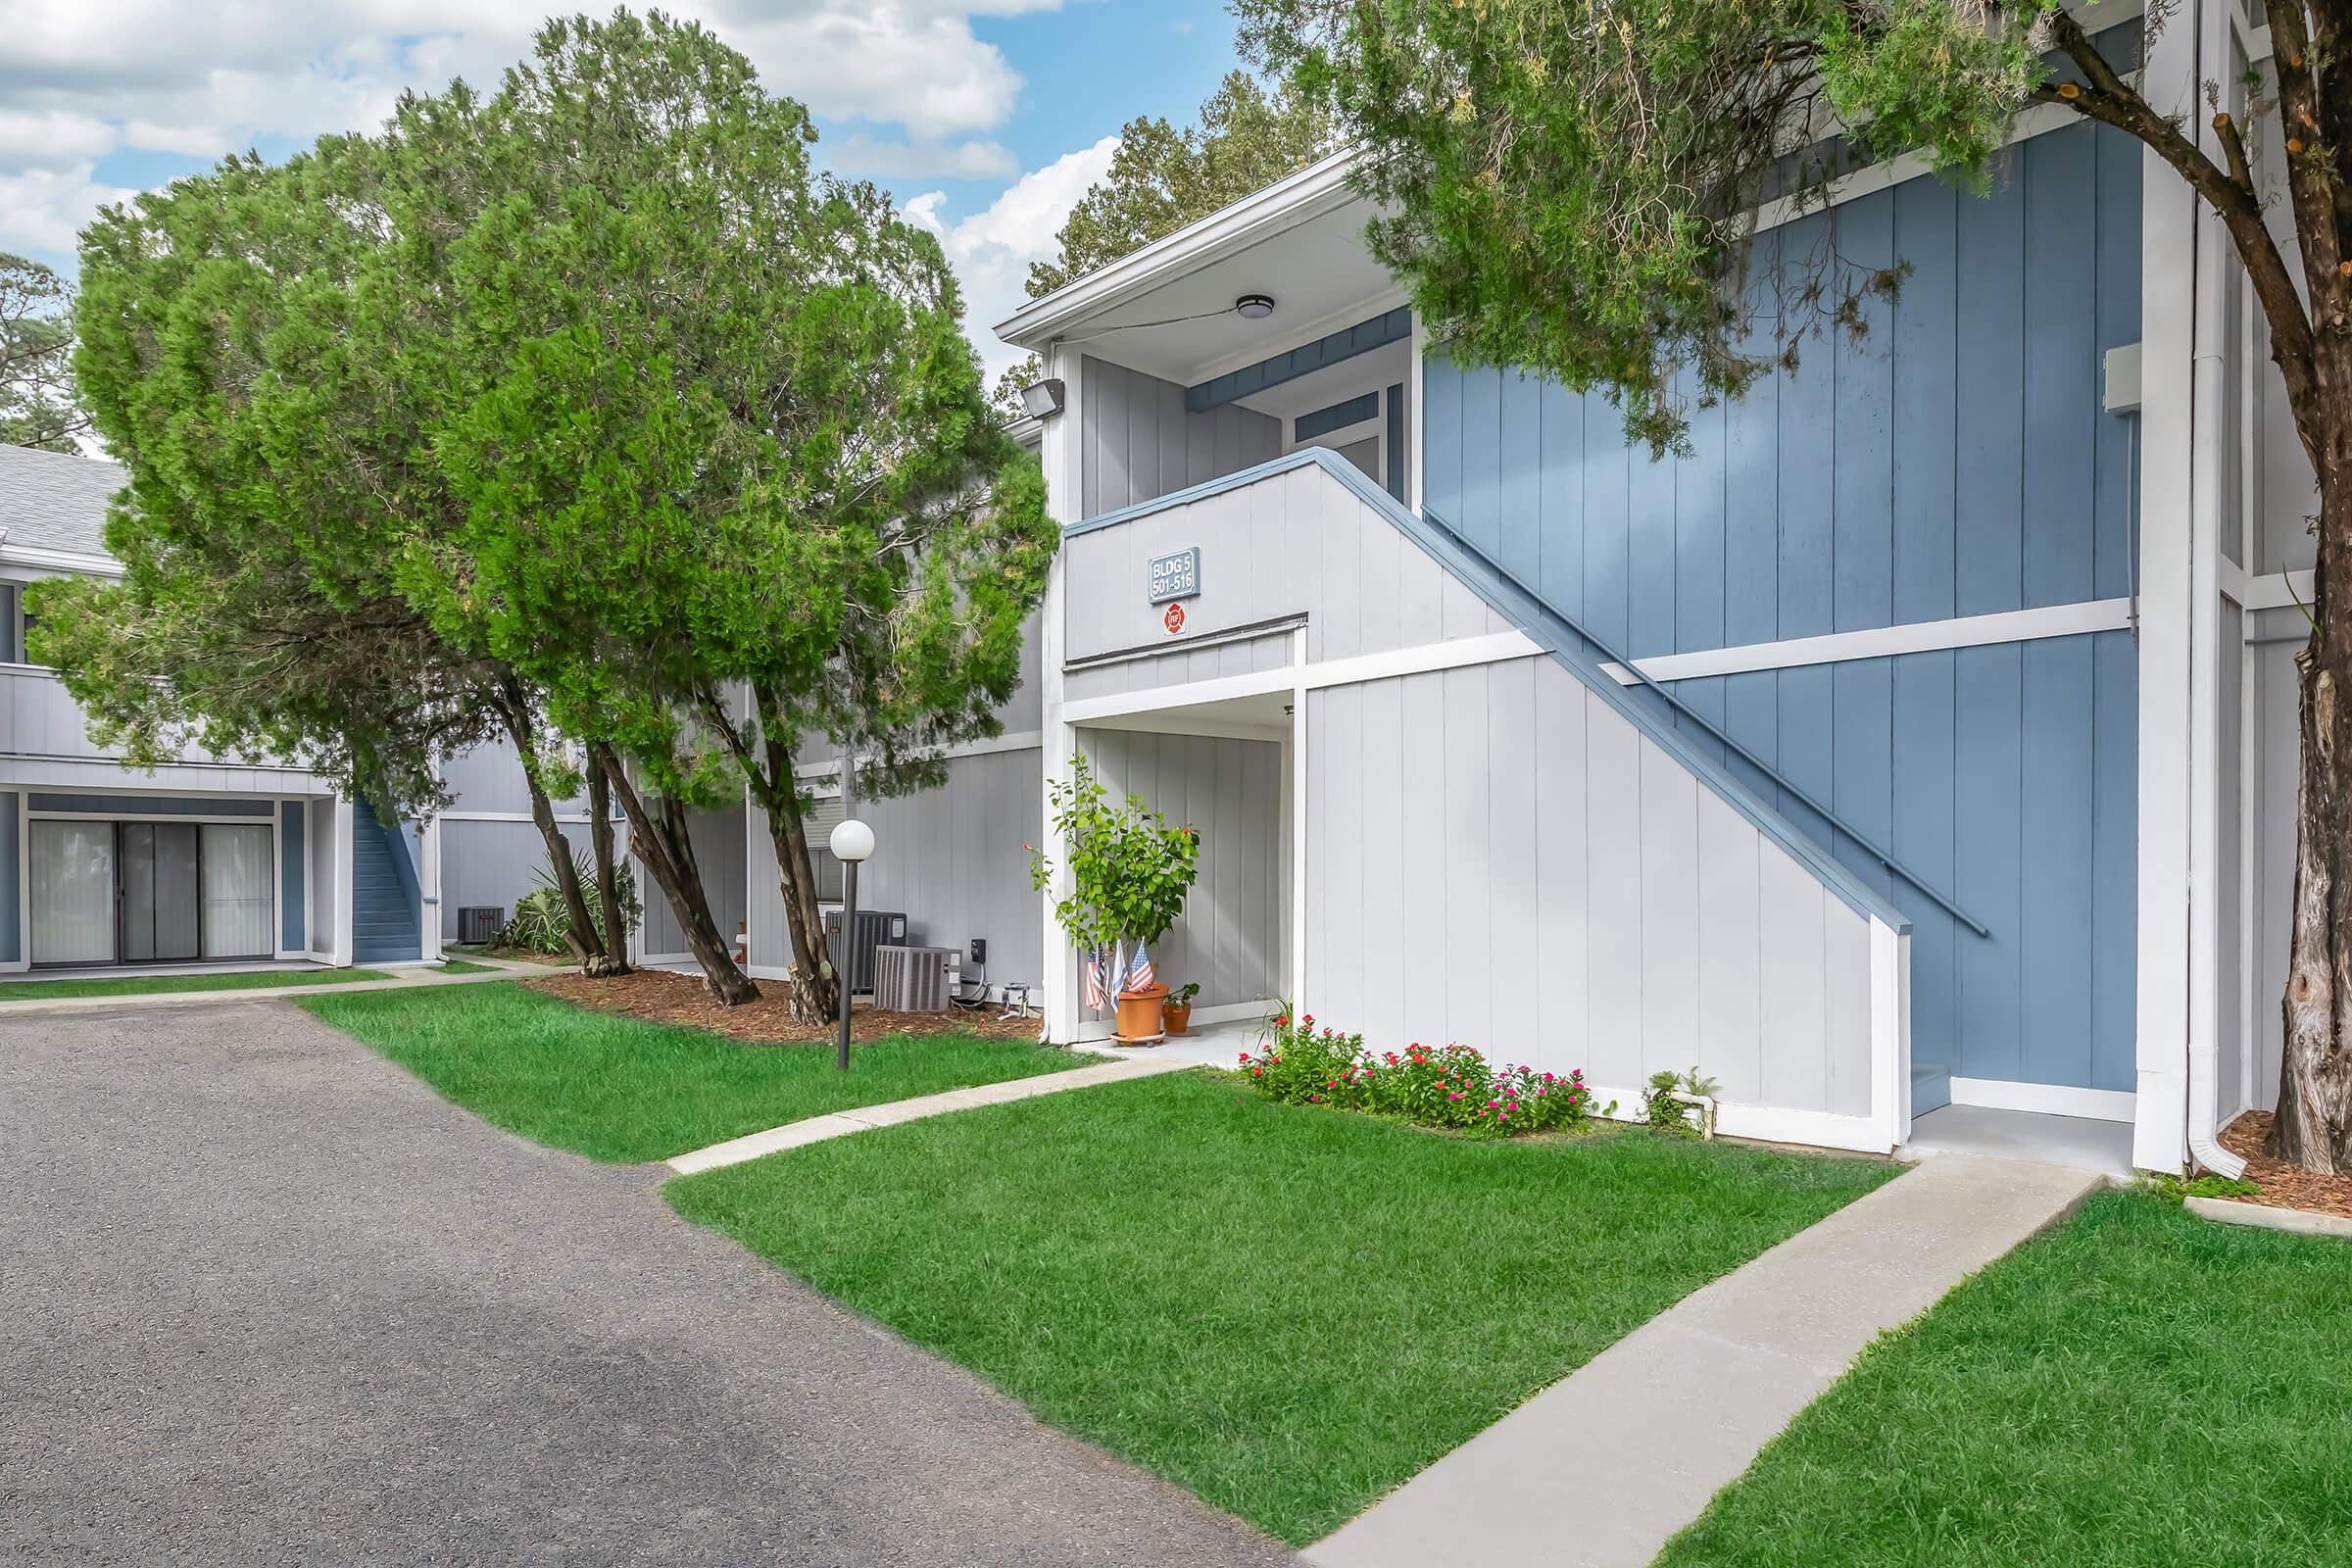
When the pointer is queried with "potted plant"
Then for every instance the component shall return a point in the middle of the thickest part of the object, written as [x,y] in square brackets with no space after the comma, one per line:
[1176,1013]
[1130,874]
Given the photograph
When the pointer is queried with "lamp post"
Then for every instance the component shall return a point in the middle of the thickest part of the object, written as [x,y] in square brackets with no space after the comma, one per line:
[852,842]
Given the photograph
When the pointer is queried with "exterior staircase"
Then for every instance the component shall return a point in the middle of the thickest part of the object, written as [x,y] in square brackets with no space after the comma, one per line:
[385,894]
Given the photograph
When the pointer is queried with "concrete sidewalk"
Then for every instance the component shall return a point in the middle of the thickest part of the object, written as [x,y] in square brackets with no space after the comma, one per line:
[1655,1425]
[419,975]
[841,1123]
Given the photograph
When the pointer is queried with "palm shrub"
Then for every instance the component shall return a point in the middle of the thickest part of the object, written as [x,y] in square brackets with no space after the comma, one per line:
[542,923]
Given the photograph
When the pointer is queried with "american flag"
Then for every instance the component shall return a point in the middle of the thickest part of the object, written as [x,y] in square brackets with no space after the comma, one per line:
[1138,970]
[1093,979]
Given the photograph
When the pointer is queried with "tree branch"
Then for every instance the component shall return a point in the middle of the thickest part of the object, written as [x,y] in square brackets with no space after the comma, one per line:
[2111,100]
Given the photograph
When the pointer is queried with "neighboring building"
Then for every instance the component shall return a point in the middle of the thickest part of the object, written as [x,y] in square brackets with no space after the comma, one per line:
[200,861]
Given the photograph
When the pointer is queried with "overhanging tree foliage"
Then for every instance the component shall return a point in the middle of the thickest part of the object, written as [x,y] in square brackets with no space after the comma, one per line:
[1571,187]
[732,489]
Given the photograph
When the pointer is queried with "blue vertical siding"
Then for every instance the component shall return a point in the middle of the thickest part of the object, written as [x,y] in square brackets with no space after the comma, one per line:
[291,861]
[1862,475]
[1954,460]
[12,873]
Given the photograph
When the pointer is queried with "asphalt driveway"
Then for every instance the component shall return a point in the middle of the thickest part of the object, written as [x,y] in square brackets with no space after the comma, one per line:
[266,1298]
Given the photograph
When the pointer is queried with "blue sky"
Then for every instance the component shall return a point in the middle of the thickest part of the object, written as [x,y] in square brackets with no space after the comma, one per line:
[984,118]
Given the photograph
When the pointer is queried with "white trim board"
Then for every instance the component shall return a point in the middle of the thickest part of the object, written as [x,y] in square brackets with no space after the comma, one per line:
[1766,1124]
[2268,590]
[1885,642]
[1492,649]
[2046,1099]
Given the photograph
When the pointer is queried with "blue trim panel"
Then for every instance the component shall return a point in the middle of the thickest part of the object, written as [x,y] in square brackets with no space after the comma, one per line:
[153,805]
[291,867]
[1396,405]
[12,871]
[1338,417]
[1550,633]
[1345,344]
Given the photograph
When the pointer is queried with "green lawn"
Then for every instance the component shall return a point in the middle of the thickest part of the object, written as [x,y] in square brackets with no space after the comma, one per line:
[1286,1309]
[624,1089]
[461,967]
[2140,1387]
[144,984]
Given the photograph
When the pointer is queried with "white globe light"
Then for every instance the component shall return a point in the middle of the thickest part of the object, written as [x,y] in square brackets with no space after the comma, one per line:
[852,840]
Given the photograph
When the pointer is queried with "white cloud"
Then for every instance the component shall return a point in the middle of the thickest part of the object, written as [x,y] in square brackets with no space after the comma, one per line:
[80,78]
[867,157]
[991,249]
[45,209]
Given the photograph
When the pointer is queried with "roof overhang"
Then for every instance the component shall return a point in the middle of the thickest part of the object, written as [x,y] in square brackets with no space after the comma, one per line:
[1318,190]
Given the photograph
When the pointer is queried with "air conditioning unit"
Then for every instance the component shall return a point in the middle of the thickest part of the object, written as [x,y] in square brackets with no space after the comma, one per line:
[915,979]
[874,927]
[478,924]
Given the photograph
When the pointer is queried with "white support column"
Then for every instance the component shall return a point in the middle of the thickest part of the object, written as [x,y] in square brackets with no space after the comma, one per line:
[1063,457]
[2183,254]
[1297,762]
[338,814]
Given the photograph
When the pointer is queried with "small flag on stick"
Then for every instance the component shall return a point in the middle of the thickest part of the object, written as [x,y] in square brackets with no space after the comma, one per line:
[1138,970]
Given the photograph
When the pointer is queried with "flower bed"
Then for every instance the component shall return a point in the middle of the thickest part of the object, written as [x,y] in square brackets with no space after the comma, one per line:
[1451,1085]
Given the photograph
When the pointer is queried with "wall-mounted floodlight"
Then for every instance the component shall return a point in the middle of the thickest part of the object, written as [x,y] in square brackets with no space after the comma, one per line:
[1253,307]
[1041,400]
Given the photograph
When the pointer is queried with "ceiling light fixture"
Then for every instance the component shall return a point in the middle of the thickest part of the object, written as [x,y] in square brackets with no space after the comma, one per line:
[1253,307]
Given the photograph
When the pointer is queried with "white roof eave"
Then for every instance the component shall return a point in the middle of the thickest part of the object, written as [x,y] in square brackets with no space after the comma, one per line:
[1318,189]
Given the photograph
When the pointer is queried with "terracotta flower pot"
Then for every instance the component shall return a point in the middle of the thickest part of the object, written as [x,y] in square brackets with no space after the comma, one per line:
[1177,1017]
[1139,1016]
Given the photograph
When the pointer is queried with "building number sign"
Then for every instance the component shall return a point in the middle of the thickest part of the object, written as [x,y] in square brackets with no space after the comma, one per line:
[1174,576]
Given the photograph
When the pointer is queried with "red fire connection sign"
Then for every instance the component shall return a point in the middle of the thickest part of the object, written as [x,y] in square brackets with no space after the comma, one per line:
[1175,619]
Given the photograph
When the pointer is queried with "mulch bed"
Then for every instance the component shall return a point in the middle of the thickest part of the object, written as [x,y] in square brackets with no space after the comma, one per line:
[665,998]
[2283,1186]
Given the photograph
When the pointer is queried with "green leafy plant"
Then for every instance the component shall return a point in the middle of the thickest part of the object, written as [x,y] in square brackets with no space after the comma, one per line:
[1663,1112]
[1184,995]
[1130,871]
[2175,1189]
[1451,1085]
[542,924]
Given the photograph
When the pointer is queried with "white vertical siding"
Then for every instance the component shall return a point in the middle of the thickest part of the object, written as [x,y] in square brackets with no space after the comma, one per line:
[1556,888]
[1229,939]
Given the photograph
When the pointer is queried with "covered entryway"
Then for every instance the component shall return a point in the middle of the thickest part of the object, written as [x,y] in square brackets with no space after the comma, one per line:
[1223,768]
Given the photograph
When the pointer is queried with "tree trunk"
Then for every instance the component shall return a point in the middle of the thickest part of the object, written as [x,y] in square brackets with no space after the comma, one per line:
[816,997]
[586,951]
[2314,1126]
[608,873]
[666,847]
[775,790]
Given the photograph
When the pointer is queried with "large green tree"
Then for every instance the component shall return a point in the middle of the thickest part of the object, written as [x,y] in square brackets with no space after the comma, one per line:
[1572,187]
[733,491]
[1163,179]
[240,357]
[37,408]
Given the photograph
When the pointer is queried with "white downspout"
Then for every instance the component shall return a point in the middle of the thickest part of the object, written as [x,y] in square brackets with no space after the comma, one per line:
[2208,373]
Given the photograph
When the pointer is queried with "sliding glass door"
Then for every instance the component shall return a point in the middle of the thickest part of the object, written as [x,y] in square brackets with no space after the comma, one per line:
[72,869]
[157,881]
[151,891]
[237,902]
